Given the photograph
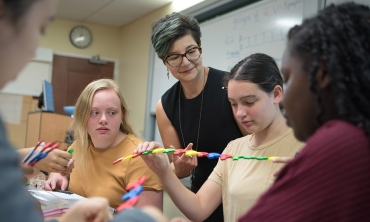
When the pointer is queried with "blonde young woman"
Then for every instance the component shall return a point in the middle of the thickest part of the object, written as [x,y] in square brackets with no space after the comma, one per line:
[102,135]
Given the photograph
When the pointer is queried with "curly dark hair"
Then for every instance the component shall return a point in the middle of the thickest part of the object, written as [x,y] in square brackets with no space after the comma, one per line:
[339,37]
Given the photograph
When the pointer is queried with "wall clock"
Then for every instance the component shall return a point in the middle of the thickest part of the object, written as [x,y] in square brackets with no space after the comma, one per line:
[80,37]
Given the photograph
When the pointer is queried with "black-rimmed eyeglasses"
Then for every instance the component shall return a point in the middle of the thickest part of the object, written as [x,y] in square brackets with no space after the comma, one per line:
[192,55]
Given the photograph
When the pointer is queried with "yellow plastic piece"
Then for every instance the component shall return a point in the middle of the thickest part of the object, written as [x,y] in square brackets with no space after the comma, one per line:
[158,150]
[191,153]
[127,158]
[271,158]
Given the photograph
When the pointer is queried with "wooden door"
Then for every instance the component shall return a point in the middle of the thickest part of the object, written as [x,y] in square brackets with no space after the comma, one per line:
[71,76]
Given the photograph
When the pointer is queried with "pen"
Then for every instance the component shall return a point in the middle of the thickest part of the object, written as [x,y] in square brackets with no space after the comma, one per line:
[32,151]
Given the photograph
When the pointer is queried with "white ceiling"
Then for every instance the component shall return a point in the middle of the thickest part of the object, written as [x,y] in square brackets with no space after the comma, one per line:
[107,12]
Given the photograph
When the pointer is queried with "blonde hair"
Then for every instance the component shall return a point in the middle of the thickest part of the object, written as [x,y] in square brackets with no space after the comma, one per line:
[82,114]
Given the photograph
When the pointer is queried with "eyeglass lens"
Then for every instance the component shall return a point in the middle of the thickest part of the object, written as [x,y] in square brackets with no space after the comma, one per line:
[176,59]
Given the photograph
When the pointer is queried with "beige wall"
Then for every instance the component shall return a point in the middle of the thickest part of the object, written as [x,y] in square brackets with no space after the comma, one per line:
[129,45]
[106,40]
[134,65]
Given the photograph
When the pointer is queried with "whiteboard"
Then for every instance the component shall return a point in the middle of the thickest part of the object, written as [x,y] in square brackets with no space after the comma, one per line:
[227,39]
[261,27]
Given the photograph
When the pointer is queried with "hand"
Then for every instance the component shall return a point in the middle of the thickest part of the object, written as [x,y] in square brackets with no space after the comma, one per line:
[56,181]
[68,169]
[91,209]
[156,162]
[184,164]
[55,161]
[281,160]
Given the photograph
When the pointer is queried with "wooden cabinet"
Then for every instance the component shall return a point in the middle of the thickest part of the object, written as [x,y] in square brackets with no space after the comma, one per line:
[50,127]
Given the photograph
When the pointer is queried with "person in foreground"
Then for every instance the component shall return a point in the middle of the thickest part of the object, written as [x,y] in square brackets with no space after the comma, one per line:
[194,113]
[22,23]
[103,135]
[326,68]
[255,88]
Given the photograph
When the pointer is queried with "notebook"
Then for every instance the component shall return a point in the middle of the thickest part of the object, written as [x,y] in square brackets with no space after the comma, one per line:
[67,195]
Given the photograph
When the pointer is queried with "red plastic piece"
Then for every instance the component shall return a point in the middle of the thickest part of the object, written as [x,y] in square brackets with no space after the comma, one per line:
[224,156]
[179,151]
[202,154]
[137,183]
[128,204]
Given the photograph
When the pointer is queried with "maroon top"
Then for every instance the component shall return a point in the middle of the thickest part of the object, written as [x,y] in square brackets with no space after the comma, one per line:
[329,180]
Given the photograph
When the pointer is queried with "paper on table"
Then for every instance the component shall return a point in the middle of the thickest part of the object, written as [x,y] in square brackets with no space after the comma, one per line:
[73,197]
[66,196]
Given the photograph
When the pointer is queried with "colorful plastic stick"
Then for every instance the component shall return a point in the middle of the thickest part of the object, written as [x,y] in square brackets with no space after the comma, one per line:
[202,154]
[169,150]
[213,155]
[70,151]
[189,153]
[41,154]
[179,151]
[126,158]
[132,196]
[159,150]
[32,151]
[224,156]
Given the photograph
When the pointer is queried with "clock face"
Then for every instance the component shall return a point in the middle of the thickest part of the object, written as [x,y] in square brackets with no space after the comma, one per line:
[80,37]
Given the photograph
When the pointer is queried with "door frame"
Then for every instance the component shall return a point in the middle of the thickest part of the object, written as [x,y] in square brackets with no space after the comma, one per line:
[115,61]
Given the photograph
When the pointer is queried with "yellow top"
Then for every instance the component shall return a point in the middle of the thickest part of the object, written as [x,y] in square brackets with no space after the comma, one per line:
[107,180]
[243,181]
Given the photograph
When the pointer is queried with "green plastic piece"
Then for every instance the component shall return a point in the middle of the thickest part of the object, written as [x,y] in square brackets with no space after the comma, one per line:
[262,158]
[169,150]
[237,157]
[147,152]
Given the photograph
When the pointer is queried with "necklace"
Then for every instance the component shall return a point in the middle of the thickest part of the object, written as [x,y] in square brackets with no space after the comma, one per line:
[200,113]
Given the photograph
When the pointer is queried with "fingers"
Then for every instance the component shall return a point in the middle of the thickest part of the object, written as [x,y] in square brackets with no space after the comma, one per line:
[55,161]
[71,164]
[282,159]
[62,154]
[189,147]
[98,209]
[64,184]
[49,185]
[147,146]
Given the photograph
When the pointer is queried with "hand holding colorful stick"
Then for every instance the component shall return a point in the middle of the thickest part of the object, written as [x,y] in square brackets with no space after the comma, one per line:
[32,160]
[194,153]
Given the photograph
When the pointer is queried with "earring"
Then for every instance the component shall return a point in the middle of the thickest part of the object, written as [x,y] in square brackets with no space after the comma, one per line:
[168,74]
